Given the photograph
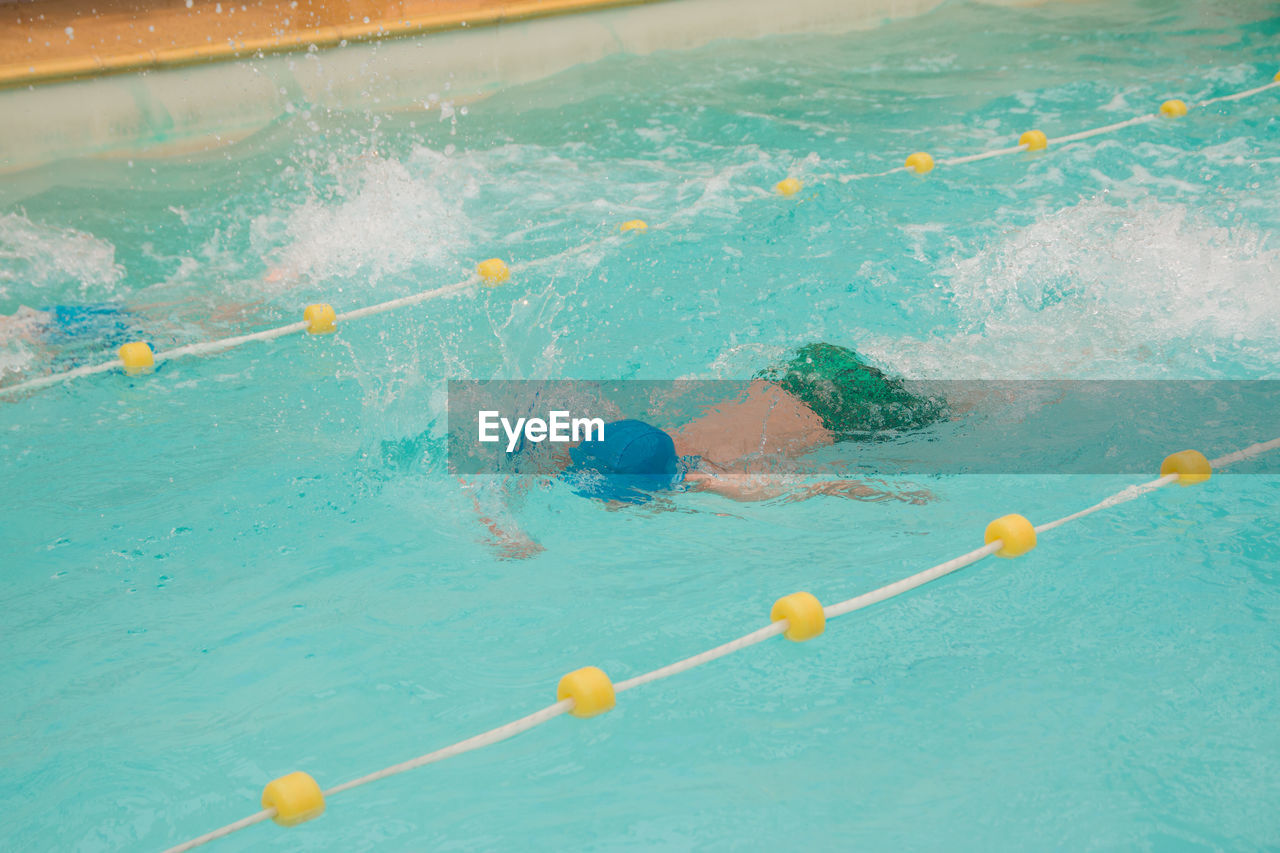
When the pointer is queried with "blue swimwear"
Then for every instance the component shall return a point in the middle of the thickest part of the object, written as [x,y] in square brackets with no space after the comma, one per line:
[107,324]
[632,460]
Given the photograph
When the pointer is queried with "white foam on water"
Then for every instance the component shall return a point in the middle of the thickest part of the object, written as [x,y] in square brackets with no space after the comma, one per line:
[545,204]
[380,218]
[1148,289]
[18,335]
[41,263]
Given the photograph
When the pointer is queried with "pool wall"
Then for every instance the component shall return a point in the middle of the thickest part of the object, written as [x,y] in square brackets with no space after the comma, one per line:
[200,99]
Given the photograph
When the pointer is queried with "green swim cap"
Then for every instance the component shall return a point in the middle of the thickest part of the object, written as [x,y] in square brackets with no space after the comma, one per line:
[856,401]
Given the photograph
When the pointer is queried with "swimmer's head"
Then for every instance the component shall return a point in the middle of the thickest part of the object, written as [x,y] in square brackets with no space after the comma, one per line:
[629,461]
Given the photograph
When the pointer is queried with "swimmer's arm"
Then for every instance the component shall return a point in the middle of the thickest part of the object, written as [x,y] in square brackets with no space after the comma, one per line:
[755,487]
[856,490]
[739,487]
[512,542]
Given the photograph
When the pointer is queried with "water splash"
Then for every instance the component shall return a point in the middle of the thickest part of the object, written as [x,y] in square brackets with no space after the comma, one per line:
[40,264]
[1150,289]
[378,218]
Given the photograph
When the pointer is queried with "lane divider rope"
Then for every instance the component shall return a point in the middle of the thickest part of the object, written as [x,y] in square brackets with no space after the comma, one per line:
[137,357]
[1170,109]
[208,347]
[587,692]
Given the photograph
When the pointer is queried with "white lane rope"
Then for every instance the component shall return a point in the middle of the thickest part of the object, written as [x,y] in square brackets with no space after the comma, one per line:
[759,636]
[222,344]
[1247,453]
[1239,96]
[746,641]
[986,155]
[1099,131]
[492,736]
[1057,140]
[223,831]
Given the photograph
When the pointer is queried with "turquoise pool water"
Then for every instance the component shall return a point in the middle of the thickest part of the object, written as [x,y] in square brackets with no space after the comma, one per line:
[257,562]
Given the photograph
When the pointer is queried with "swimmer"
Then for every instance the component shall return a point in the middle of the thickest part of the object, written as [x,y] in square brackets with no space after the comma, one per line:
[65,323]
[823,396]
[32,335]
[70,335]
[740,449]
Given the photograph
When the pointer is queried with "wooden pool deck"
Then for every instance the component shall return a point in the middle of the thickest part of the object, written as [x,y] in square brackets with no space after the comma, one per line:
[51,40]
[110,78]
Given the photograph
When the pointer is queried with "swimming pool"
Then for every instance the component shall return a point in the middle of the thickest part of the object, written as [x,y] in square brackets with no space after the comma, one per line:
[257,562]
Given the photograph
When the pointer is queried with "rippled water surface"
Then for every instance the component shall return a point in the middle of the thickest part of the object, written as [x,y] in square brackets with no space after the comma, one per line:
[257,562]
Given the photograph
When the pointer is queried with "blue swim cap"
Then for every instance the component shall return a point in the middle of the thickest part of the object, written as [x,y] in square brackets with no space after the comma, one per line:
[631,460]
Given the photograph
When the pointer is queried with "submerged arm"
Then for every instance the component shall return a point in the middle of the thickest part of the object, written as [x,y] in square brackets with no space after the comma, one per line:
[511,542]
[762,487]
